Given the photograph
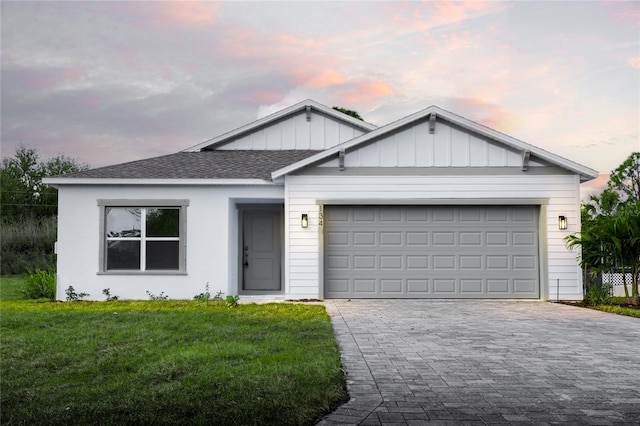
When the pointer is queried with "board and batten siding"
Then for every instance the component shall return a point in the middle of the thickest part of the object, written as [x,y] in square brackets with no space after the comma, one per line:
[320,132]
[303,247]
[448,146]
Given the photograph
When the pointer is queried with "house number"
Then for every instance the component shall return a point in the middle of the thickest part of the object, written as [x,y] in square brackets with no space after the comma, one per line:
[320,218]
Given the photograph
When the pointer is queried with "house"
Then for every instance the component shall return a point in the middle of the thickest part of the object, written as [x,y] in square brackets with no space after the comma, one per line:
[309,203]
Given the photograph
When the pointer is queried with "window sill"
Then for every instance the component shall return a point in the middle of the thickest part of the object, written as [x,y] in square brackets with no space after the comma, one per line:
[124,272]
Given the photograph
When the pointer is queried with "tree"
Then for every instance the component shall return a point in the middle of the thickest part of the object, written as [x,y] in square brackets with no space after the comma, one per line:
[350,112]
[22,191]
[610,235]
[626,178]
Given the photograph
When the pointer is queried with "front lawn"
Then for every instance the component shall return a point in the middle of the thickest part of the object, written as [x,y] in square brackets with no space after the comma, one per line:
[166,362]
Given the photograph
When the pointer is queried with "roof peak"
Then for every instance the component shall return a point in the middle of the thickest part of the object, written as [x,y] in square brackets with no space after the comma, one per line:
[308,105]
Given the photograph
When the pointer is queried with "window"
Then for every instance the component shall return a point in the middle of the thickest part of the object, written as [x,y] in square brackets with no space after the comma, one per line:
[141,238]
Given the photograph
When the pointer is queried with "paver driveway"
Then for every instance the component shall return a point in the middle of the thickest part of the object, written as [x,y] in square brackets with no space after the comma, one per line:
[485,362]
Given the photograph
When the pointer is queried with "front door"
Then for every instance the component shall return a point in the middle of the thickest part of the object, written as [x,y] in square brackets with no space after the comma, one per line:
[261,250]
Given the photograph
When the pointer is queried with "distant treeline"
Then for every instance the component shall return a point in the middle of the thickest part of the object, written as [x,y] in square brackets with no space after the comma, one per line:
[28,210]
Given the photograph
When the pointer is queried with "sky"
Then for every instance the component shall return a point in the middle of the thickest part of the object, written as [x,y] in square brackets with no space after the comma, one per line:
[109,82]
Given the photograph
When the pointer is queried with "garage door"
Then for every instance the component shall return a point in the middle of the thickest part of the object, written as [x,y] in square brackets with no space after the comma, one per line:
[431,252]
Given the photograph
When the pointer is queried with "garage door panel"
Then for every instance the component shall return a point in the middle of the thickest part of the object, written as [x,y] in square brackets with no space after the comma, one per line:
[337,286]
[471,262]
[417,262]
[364,286]
[444,262]
[417,238]
[524,286]
[338,262]
[471,286]
[523,239]
[337,239]
[390,262]
[389,286]
[391,238]
[431,252]
[444,286]
[523,214]
[445,214]
[470,215]
[498,286]
[447,238]
[364,262]
[417,286]
[497,238]
[364,239]
[470,238]
[363,215]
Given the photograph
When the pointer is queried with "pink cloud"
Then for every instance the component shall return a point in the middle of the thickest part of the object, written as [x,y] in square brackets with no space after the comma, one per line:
[633,61]
[454,11]
[595,186]
[186,13]
[489,114]
[625,11]
[363,91]
[424,16]
[261,96]
[325,78]
[48,79]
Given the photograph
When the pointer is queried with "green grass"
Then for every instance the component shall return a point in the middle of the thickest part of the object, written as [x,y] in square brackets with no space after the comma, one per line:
[166,362]
[10,287]
[619,310]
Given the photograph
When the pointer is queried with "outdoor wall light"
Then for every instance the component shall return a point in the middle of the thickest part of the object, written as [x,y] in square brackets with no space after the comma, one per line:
[304,220]
[562,222]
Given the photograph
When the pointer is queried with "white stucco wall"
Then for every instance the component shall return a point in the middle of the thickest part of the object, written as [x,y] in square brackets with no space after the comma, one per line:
[212,235]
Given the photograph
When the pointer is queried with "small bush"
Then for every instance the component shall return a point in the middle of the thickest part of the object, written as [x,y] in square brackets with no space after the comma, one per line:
[40,284]
[72,296]
[110,298]
[203,297]
[232,301]
[598,295]
[160,296]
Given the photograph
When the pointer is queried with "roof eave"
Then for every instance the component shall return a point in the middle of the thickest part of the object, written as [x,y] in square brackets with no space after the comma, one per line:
[61,181]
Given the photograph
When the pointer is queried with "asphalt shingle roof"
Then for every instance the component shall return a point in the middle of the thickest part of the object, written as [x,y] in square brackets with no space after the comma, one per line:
[217,164]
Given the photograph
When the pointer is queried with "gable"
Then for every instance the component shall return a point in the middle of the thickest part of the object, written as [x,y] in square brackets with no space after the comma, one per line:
[303,130]
[307,125]
[447,146]
[435,137]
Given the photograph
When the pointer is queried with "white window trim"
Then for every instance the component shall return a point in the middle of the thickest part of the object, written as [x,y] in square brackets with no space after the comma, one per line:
[144,205]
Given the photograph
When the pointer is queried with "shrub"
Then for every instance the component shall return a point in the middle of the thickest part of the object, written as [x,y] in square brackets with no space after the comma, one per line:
[160,296]
[110,298]
[598,295]
[203,297]
[72,296]
[232,301]
[40,284]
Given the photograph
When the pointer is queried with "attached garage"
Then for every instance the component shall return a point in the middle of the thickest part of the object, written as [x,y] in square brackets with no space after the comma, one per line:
[431,252]
[432,206]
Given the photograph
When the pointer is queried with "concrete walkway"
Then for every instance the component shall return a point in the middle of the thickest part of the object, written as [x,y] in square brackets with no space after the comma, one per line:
[414,362]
